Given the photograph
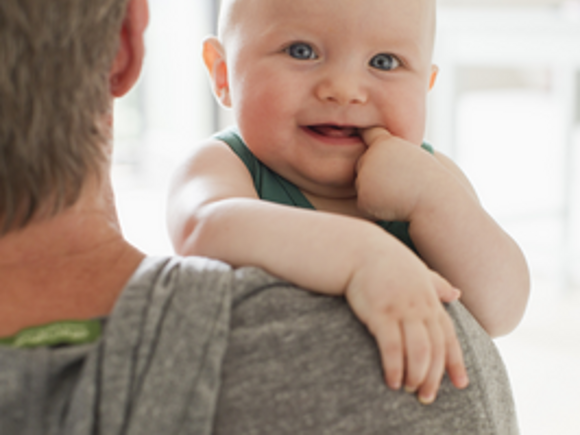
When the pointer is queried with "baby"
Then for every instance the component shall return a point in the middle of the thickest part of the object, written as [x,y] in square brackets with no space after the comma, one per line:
[326,182]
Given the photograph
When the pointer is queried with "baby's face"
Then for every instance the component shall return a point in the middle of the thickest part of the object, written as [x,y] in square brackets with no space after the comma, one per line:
[305,75]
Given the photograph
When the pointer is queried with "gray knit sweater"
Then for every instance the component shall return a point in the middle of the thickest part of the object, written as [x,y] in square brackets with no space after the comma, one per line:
[193,347]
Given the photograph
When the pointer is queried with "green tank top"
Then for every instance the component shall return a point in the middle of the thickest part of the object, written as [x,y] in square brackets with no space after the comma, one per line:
[270,186]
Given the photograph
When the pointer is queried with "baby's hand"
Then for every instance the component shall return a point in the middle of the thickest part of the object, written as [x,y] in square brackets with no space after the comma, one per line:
[395,177]
[402,309]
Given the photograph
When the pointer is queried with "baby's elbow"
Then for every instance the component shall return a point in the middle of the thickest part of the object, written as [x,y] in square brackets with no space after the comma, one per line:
[184,242]
[184,233]
[193,239]
[501,329]
[507,320]
[179,230]
[185,225]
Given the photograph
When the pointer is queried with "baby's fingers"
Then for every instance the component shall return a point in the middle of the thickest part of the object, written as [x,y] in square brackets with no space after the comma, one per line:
[454,362]
[418,352]
[445,291]
[389,339]
[373,135]
[428,390]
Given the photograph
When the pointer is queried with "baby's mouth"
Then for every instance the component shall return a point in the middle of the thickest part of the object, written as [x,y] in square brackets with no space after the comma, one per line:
[334,131]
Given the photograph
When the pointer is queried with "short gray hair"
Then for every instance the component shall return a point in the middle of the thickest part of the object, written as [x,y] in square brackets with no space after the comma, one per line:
[55,58]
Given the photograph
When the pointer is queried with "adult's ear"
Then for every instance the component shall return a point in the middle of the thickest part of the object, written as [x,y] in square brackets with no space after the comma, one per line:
[215,63]
[127,65]
[434,73]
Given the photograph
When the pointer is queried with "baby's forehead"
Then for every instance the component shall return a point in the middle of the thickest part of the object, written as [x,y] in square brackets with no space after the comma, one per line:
[239,14]
[233,11]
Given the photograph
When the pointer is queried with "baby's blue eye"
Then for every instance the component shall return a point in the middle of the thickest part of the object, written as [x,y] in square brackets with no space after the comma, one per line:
[301,51]
[385,62]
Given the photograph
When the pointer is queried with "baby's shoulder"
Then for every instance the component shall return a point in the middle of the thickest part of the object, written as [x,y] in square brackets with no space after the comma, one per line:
[210,152]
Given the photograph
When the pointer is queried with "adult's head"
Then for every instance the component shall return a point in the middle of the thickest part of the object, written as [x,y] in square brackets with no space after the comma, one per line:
[61,63]
[62,253]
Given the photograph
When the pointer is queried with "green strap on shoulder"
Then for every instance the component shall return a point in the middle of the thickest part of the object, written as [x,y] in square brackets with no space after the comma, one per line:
[68,332]
[269,185]
[428,147]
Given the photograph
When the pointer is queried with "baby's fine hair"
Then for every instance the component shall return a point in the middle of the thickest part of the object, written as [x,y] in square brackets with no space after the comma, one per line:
[231,10]
[55,57]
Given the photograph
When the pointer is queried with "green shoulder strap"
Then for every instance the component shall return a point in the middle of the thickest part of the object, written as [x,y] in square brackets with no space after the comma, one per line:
[428,147]
[269,185]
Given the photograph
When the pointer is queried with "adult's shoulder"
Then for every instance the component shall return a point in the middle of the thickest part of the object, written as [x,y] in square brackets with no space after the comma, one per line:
[178,273]
[157,367]
[299,362]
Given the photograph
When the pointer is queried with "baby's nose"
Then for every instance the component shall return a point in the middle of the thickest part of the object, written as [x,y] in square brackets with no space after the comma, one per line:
[342,88]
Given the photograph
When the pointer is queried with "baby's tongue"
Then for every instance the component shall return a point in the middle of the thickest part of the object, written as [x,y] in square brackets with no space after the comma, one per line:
[333,131]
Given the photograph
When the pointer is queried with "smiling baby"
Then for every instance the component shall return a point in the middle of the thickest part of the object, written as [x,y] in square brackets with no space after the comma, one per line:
[326,181]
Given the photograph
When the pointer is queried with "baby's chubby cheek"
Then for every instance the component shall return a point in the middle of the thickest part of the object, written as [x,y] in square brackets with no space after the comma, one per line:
[262,113]
[404,117]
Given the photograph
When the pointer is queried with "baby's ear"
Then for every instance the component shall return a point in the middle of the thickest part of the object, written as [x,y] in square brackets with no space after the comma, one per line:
[215,62]
[434,73]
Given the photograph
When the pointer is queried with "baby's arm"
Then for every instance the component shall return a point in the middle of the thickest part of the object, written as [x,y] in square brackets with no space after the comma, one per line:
[214,211]
[450,228]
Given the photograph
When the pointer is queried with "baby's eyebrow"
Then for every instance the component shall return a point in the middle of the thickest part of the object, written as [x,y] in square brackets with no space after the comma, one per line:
[408,50]
[280,32]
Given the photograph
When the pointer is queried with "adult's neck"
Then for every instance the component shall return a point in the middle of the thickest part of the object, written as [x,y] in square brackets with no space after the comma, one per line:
[71,266]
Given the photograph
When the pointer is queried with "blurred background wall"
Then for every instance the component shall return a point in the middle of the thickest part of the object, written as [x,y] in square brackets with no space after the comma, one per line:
[506,107]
